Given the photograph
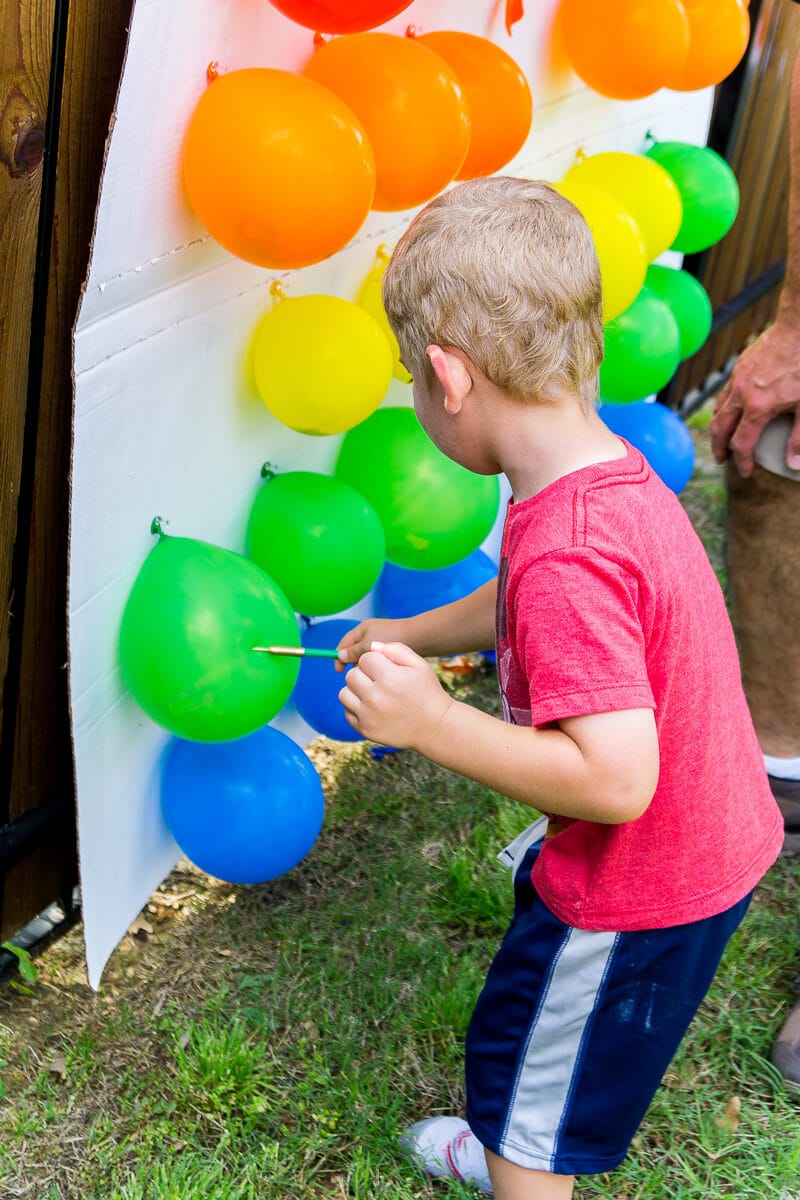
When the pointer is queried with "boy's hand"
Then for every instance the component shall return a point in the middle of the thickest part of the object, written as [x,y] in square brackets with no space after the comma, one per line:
[394,697]
[358,640]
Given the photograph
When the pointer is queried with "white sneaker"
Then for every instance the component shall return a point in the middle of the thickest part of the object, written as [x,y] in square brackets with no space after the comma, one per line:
[447,1147]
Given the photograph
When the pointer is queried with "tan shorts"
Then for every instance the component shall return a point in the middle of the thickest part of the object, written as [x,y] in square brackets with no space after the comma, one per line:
[770,451]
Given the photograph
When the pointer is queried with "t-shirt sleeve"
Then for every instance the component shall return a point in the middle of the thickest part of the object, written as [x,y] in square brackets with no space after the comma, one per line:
[575,623]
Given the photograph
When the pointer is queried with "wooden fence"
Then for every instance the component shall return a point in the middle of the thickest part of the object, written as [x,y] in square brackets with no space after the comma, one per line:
[60,63]
[743,273]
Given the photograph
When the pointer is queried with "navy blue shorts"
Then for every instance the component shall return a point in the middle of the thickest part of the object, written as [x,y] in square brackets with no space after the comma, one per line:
[574,1030]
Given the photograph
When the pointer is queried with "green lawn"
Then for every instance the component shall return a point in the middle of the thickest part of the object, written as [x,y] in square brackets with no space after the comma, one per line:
[269,1043]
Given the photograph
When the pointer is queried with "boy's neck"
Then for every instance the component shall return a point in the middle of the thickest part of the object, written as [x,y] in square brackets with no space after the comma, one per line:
[539,443]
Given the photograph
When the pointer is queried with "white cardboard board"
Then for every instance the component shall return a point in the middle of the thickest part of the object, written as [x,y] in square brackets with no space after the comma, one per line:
[165,420]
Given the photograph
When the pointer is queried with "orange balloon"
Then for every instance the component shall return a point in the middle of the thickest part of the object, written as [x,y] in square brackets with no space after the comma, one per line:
[497,95]
[625,49]
[411,106]
[277,168]
[718,34]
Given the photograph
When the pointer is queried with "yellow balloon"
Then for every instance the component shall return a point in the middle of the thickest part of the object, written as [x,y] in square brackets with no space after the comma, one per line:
[651,197]
[370,298]
[618,242]
[321,364]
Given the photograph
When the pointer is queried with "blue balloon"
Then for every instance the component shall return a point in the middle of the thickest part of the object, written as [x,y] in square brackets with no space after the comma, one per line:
[316,693]
[244,811]
[401,592]
[660,435]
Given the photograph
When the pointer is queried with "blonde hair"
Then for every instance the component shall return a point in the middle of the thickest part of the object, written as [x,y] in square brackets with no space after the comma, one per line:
[504,270]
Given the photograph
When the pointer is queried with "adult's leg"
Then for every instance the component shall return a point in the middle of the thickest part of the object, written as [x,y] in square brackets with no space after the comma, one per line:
[764,588]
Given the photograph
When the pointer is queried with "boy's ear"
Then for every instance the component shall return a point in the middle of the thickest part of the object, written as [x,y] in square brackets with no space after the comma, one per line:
[453,375]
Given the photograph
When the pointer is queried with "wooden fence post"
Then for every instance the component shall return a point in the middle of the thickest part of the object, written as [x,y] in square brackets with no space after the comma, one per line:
[60,63]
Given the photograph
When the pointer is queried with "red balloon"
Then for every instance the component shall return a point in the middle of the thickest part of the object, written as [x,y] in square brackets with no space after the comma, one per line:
[340,16]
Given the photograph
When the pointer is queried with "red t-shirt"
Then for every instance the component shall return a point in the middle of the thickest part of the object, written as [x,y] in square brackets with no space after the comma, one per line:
[607,601]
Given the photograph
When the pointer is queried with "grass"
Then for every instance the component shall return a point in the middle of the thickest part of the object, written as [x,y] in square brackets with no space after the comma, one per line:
[269,1043]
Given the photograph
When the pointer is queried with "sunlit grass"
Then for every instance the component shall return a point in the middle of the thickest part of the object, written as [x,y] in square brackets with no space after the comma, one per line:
[270,1043]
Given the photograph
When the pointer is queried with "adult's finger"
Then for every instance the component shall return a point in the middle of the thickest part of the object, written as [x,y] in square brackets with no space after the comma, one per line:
[727,414]
[793,447]
[743,442]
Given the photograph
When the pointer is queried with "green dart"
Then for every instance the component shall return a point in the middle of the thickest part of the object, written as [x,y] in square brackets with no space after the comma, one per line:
[297,651]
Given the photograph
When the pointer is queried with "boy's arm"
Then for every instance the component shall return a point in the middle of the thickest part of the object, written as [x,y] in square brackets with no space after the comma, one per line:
[457,628]
[602,767]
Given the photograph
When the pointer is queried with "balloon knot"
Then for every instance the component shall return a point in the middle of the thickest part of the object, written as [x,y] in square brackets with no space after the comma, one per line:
[321,39]
[268,471]
[413,31]
[276,290]
[212,71]
[157,526]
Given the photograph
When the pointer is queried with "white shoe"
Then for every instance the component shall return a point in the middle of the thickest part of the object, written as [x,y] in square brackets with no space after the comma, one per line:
[447,1147]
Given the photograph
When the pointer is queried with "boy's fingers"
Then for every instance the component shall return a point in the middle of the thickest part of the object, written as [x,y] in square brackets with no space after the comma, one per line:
[350,652]
[398,653]
[358,681]
[348,698]
[373,664]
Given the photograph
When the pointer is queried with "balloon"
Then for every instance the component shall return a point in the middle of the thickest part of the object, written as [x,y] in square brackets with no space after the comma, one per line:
[708,189]
[660,435]
[193,615]
[688,302]
[497,95]
[318,538]
[277,168]
[618,241]
[246,811]
[718,34]
[434,512]
[370,298]
[642,350]
[340,16]
[320,363]
[316,693]
[411,106]
[403,593]
[642,187]
[625,49]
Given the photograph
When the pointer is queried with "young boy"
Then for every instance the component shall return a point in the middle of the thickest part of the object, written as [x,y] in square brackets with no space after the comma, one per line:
[625,719]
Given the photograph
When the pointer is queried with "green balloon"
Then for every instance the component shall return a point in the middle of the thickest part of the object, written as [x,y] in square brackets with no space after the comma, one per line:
[186,641]
[318,538]
[688,302]
[708,189]
[642,350]
[433,511]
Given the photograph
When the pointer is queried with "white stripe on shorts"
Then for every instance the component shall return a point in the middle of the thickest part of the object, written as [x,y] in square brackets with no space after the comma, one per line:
[545,1077]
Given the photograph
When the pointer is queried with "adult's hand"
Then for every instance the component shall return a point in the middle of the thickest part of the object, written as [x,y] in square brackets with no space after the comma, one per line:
[765,382]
